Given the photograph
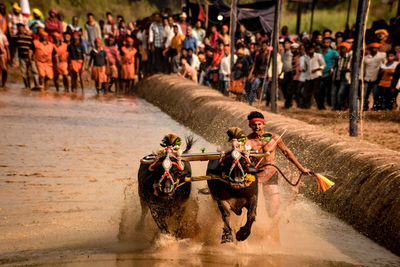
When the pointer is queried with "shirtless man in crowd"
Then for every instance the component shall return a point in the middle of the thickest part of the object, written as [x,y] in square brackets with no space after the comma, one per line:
[264,142]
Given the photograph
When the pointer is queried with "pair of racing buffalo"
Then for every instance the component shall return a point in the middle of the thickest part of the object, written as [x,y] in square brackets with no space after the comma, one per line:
[164,185]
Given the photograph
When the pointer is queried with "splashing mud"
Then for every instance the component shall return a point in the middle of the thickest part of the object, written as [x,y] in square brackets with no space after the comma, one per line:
[69,195]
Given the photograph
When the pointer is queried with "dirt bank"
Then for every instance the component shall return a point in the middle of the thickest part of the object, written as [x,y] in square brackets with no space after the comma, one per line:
[367,176]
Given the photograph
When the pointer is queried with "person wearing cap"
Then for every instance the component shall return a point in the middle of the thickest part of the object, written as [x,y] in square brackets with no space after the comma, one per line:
[182,22]
[44,52]
[61,69]
[128,65]
[76,62]
[341,77]
[199,32]
[386,93]
[100,64]
[92,31]
[330,55]
[53,24]
[382,36]
[13,20]
[224,35]
[114,62]
[36,20]
[372,61]
[314,63]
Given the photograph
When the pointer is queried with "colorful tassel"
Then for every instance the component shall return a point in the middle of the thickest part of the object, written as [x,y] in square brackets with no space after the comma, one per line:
[323,182]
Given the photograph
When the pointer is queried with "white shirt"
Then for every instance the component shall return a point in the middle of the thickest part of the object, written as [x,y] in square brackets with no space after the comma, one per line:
[317,61]
[225,66]
[200,34]
[195,62]
[169,34]
[372,64]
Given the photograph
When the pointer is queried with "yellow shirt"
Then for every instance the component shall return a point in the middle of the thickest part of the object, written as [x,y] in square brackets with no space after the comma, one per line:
[177,40]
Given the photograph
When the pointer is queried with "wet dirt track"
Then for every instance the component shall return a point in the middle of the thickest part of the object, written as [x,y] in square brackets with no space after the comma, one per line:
[68,195]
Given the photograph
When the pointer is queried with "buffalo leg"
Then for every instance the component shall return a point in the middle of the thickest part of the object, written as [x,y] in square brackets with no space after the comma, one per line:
[227,234]
[245,230]
[145,210]
[159,217]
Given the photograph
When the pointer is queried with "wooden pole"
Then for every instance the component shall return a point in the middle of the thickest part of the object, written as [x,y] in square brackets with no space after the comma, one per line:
[206,24]
[274,86]
[355,74]
[312,15]
[348,14]
[298,23]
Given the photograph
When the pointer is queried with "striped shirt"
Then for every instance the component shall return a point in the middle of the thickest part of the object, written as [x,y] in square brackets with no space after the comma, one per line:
[24,43]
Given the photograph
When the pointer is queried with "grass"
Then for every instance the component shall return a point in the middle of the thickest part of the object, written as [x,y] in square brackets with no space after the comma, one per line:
[335,18]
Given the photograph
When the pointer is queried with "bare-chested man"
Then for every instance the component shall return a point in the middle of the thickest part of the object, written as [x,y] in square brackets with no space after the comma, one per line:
[268,142]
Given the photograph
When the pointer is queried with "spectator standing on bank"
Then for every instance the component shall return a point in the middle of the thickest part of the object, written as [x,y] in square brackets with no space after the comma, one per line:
[225,71]
[53,24]
[25,47]
[113,63]
[341,77]
[92,31]
[387,94]
[199,32]
[330,56]
[382,36]
[4,58]
[190,41]
[175,46]
[128,65]
[372,63]
[314,64]
[36,21]
[100,63]
[74,26]
[60,69]
[44,52]
[3,19]
[156,33]
[288,73]
[76,62]
[182,23]
[13,20]
[257,73]
[110,27]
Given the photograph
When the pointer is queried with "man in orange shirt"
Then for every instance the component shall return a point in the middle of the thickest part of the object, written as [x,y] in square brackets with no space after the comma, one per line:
[62,56]
[174,47]
[44,52]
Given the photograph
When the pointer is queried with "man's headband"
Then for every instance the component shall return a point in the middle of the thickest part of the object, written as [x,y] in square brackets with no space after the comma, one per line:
[254,120]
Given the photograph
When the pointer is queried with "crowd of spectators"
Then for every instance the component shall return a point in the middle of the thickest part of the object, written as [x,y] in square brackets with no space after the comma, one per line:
[119,53]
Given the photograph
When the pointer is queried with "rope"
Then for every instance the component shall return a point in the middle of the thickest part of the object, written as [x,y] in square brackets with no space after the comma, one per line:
[284,177]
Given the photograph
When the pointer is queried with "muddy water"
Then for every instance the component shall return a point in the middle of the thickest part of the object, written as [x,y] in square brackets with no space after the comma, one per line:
[68,195]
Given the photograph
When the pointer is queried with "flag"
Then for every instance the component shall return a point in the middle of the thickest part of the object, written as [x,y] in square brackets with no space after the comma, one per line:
[201,15]
[26,11]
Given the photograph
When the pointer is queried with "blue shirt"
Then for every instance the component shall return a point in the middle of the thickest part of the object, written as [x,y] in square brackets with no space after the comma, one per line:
[329,58]
[190,42]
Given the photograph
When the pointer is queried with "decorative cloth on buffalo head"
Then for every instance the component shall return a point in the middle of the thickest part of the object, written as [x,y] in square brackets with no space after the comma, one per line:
[236,133]
[171,140]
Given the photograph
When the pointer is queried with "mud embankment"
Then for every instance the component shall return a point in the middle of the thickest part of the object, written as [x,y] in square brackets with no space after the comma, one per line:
[367,177]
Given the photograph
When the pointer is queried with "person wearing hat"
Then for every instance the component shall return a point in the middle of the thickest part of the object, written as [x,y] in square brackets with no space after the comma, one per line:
[372,61]
[224,35]
[128,65]
[36,20]
[53,24]
[182,22]
[341,77]
[382,36]
[44,52]
[13,20]
[113,58]
[76,62]
[100,65]
[62,67]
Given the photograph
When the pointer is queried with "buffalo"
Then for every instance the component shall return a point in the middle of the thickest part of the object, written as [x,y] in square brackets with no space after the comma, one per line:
[234,185]
[162,186]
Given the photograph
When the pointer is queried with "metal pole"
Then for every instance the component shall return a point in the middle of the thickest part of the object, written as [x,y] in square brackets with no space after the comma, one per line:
[233,30]
[348,14]
[312,15]
[360,22]
[298,23]
[274,86]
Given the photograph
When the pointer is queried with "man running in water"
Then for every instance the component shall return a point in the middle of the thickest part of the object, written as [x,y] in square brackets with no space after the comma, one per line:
[268,178]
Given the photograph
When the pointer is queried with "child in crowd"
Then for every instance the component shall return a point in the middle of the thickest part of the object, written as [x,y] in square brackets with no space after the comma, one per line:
[100,64]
